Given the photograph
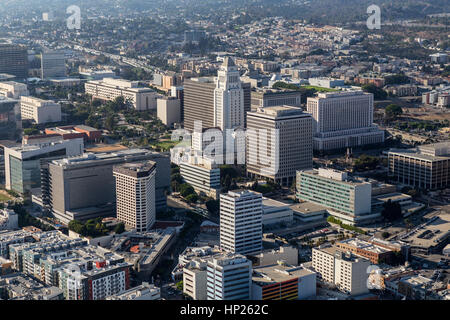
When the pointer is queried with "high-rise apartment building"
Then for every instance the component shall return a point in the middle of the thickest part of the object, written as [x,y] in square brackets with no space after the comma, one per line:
[109,89]
[229,277]
[39,110]
[241,222]
[347,272]
[14,60]
[343,119]
[426,167]
[53,64]
[135,194]
[279,142]
[228,97]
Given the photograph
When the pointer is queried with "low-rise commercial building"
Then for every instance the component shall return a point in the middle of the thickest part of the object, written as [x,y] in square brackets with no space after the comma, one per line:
[283,282]
[109,89]
[202,175]
[274,212]
[77,131]
[23,163]
[18,286]
[39,110]
[348,199]
[145,291]
[425,167]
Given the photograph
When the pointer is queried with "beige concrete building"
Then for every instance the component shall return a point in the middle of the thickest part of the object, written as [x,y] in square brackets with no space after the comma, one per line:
[347,272]
[109,89]
[195,279]
[168,110]
[279,142]
[41,111]
[135,194]
[13,90]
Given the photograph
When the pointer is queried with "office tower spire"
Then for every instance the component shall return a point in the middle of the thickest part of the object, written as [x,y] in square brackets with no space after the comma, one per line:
[228,97]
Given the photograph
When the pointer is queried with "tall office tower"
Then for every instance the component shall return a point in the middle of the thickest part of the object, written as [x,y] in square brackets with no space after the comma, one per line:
[82,188]
[247,87]
[135,194]
[241,222]
[229,277]
[53,65]
[199,102]
[14,60]
[279,142]
[41,111]
[178,92]
[343,119]
[228,97]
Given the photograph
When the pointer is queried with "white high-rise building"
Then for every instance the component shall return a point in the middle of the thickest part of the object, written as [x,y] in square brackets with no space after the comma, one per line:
[241,222]
[228,97]
[343,119]
[135,194]
[229,277]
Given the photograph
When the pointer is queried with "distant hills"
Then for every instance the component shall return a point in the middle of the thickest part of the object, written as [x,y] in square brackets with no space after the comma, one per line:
[316,11]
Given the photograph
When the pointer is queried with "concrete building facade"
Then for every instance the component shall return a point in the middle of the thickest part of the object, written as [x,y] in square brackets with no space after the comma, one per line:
[135,194]
[279,142]
[241,222]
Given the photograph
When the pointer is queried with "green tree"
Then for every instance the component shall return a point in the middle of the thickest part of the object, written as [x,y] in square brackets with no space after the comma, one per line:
[120,228]
[391,211]
[192,198]
[392,111]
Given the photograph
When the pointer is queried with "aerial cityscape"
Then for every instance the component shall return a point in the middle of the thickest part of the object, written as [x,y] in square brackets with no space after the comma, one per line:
[224,150]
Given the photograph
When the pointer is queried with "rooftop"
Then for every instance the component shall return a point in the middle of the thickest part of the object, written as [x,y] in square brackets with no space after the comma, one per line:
[278,273]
